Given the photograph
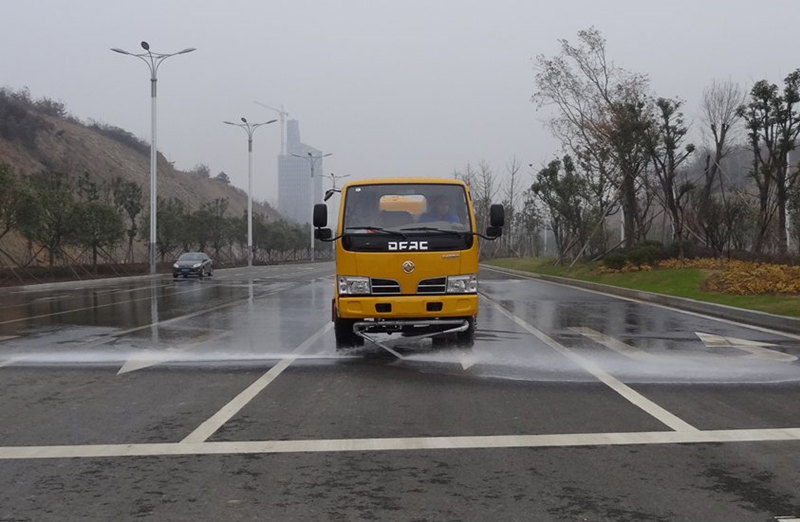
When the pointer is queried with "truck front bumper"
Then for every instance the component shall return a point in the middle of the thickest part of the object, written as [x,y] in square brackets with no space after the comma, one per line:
[430,307]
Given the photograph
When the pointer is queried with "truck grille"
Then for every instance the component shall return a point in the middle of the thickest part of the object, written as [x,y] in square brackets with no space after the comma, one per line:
[436,285]
[384,286]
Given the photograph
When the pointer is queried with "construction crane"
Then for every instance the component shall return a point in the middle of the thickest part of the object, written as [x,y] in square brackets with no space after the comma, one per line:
[283,114]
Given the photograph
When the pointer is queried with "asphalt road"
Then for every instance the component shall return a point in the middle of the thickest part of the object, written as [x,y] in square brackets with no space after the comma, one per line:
[224,399]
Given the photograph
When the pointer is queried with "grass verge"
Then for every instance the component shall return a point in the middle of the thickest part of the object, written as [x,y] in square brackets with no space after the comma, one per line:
[679,282]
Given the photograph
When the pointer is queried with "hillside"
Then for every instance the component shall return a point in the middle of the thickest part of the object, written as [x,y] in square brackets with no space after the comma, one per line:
[39,136]
[66,145]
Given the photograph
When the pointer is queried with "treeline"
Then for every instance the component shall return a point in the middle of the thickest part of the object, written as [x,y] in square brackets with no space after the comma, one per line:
[210,229]
[21,117]
[521,234]
[628,172]
[77,221]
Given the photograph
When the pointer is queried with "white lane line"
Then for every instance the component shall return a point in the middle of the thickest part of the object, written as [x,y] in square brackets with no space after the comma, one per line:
[107,338]
[624,390]
[94,307]
[148,359]
[755,349]
[647,303]
[195,288]
[401,444]
[215,422]
[614,344]
[7,337]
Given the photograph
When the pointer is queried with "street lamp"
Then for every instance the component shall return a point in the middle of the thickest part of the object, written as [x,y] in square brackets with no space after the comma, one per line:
[249,128]
[334,177]
[153,60]
[311,159]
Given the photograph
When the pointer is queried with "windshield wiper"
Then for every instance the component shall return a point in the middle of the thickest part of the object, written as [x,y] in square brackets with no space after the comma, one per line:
[379,229]
[433,229]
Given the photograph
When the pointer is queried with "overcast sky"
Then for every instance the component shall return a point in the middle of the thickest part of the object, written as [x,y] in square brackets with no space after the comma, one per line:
[412,87]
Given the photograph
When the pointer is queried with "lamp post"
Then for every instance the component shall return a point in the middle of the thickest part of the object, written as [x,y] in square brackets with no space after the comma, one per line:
[249,128]
[153,61]
[334,177]
[311,159]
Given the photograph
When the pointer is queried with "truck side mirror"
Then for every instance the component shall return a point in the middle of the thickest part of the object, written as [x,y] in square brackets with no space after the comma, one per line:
[494,232]
[320,215]
[497,216]
[323,234]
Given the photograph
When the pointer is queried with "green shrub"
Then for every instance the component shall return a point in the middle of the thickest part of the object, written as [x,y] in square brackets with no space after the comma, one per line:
[644,253]
[615,260]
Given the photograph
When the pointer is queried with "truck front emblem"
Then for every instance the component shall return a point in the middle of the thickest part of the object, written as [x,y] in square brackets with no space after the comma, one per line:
[408,267]
[408,245]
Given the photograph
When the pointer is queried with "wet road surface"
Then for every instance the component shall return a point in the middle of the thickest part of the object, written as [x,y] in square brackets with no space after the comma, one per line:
[225,399]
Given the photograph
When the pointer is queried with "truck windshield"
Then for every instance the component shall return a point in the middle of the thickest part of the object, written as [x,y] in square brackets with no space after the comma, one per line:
[374,215]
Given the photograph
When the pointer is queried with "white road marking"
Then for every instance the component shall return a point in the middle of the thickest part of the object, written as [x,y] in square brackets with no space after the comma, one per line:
[400,444]
[215,422]
[647,303]
[194,288]
[137,362]
[624,390]
[94,307]
[9,362]
[614,344]
[7,337]
[754,348]
[107,338]
[467,359]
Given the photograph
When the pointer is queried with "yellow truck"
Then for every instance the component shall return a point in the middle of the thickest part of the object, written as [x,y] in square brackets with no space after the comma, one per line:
[406,259]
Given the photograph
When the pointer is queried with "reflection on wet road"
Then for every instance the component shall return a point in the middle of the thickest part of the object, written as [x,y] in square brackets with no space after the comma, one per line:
[233,371]
[239,317]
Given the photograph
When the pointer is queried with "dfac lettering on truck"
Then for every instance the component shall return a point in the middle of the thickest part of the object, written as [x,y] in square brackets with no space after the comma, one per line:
[406,259]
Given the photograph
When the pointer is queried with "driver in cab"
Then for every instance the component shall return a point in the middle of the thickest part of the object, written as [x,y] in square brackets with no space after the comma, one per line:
[439,210]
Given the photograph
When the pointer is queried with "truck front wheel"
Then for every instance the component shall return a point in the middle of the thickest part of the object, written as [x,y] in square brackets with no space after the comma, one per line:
[345,337]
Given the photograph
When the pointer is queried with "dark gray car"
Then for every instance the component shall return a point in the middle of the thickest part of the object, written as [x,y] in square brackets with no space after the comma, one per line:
[193,264]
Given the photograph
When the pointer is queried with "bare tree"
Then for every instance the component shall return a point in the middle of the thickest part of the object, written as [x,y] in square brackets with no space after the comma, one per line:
[601,115]
[721,129]
[512,237]
[720,119]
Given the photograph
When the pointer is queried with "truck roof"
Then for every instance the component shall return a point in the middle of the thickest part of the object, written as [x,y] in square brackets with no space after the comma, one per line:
[416,181]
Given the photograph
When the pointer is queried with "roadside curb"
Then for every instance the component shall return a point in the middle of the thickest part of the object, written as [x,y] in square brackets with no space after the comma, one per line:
[730,313]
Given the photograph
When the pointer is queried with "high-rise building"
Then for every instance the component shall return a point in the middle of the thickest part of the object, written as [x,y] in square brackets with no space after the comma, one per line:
[294,177]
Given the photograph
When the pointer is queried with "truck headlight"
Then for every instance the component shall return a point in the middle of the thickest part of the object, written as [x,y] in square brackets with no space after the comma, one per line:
[352,285]
[462,284]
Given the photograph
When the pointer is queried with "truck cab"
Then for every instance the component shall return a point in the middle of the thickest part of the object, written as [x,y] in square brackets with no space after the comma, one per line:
[406,259]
